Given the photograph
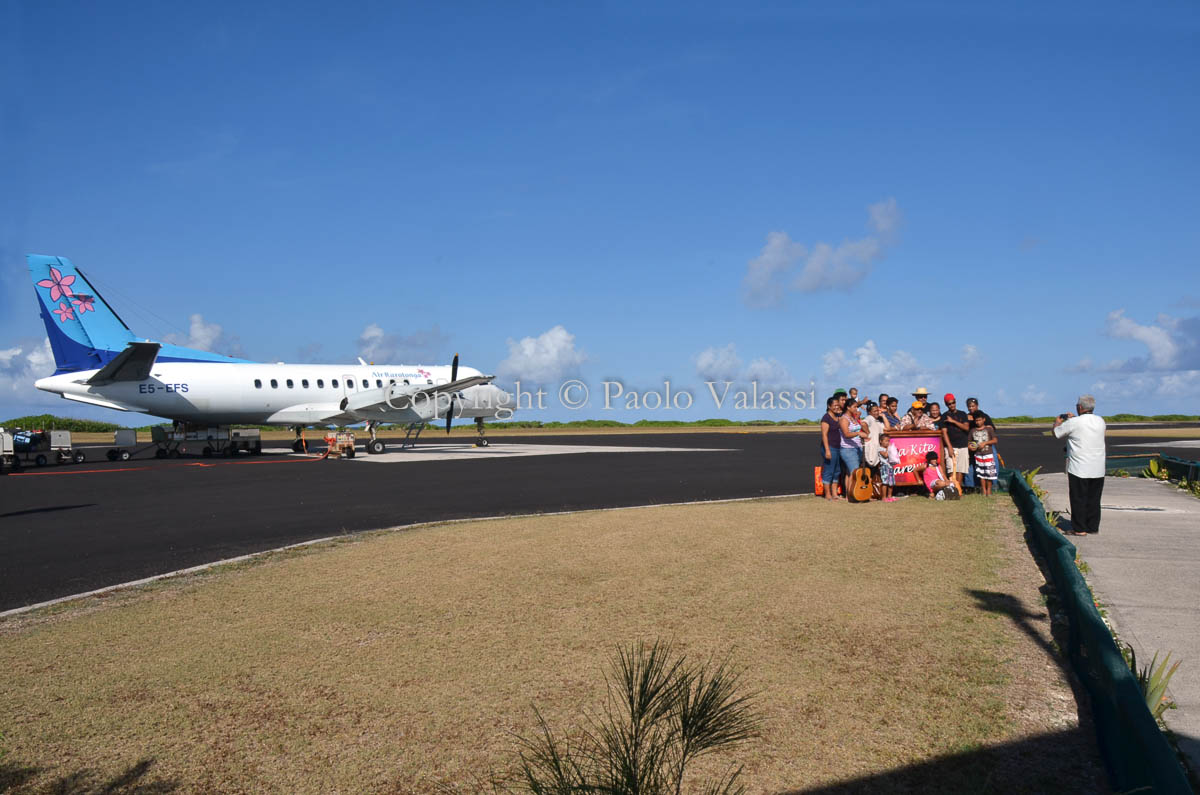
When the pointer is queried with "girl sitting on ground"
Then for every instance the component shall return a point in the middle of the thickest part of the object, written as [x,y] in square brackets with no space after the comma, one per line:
[889,459]
[940,487]
[982,442]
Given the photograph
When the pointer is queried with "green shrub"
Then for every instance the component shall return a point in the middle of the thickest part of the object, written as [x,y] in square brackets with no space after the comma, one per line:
[662,713]
[48,422]
[1156,470]
[1153,680]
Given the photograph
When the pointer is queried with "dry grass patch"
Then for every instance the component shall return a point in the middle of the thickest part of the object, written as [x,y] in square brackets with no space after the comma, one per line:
[405,661]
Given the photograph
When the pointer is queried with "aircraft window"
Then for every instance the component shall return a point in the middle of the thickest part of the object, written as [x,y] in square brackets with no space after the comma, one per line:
[290,384]
[304,383]
[274,384]
[391,382]
[406,382]
[320,383]
[379,383]
[366,384]
[258,383]
[333,383]
[429,380]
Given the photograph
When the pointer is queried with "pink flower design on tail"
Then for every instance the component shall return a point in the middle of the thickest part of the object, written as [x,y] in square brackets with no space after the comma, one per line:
[64,312]
[59,285]
[84,303]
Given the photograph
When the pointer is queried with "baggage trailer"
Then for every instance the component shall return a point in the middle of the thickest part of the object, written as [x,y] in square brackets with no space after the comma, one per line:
[122,441]
[210,440]
[8,459]
[40,447]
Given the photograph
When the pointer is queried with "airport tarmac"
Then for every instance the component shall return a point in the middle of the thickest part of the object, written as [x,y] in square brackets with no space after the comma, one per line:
[457,451]
[71,529]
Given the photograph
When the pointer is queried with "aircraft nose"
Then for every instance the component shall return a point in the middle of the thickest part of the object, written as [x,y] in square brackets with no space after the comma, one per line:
[502,399]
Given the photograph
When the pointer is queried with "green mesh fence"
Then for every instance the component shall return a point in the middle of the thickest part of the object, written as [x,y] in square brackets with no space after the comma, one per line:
[1179,468]
[1138,756]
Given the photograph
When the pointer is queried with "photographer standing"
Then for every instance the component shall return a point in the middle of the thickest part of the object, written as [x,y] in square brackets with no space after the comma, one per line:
[1085,463]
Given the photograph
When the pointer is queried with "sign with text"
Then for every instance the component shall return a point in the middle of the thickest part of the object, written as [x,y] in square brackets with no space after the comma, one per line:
[912,446]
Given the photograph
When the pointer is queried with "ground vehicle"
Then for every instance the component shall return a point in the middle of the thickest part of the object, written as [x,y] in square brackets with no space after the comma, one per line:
[41,447]
[7,458]
[208,440]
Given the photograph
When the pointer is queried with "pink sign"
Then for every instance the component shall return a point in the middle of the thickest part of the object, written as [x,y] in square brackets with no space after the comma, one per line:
[912,446]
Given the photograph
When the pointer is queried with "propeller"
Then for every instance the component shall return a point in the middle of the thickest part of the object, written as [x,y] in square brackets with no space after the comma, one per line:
[453,378]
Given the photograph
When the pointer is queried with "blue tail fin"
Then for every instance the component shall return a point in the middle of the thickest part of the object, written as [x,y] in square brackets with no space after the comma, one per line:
[85,333]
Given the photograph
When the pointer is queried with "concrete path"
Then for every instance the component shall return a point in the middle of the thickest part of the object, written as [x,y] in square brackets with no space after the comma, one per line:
[1145,570]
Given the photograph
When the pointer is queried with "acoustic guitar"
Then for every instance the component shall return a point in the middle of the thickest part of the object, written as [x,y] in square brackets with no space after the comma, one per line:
[861,487]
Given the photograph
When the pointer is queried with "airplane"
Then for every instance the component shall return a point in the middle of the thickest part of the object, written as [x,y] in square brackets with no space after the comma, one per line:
[100,362]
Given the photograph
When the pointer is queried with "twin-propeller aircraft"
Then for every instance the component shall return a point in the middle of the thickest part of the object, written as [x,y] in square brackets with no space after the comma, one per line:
[101,363]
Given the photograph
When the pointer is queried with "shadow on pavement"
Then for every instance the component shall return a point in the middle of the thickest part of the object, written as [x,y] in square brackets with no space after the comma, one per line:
[50,509]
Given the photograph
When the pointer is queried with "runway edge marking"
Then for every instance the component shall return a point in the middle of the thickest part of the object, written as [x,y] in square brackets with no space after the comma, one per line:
[240,558]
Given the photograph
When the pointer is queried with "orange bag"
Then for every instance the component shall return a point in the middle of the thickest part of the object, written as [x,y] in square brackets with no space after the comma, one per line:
[819,487]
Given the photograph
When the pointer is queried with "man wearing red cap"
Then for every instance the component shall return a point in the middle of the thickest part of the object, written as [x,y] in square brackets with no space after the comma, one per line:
[957,426]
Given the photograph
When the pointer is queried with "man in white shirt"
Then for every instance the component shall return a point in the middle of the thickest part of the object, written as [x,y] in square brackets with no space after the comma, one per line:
[1085,463]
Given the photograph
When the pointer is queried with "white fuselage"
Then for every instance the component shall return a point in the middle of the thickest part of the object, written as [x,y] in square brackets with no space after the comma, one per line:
[276,394]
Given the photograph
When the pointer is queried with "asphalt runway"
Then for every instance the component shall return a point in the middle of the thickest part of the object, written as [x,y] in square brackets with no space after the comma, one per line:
[66,530]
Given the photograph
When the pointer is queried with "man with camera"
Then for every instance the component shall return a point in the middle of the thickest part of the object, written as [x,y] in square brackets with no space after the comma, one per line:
[1085,463]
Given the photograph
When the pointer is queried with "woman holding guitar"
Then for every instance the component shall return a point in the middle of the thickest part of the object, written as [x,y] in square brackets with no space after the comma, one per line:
[851,449]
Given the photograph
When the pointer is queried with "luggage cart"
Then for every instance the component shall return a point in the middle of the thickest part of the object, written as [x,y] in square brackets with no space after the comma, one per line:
[341,445]
[8,458]
[40,447]
[248,439]
[122,441]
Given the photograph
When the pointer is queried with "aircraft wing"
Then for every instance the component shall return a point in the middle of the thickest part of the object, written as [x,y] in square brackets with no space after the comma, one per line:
[395,397]
[455,386]
[131,364]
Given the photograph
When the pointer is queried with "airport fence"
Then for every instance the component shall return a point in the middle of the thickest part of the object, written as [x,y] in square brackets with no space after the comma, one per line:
[1180,468]
[1138,755]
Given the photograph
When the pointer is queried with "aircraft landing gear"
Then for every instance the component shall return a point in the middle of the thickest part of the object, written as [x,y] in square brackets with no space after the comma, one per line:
[480,433]
[298,446]
[374,446]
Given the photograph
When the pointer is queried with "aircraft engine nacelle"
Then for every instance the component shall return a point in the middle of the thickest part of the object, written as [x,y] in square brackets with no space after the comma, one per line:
[397,403]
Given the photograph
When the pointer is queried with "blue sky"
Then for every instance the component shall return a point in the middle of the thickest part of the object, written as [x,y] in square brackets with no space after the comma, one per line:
[997,201]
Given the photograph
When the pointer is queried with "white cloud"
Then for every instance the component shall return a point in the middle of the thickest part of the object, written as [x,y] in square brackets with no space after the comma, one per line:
[543,359]
[872,370]
[719,364]
[204,336]
[20,366]
[723,364]
[420,347]
[1159,342]
[1170,370]
[885,218]
[784,265]
[970,357]
[769,373]
[763,284]
[1033,395]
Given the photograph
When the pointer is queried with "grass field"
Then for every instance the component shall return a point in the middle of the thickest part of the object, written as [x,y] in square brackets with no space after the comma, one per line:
[896,641]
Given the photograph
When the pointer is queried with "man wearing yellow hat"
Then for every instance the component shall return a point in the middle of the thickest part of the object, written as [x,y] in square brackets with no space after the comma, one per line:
[916,419]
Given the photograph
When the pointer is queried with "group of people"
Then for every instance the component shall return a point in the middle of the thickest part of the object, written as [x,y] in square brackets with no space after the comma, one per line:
[856,433]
